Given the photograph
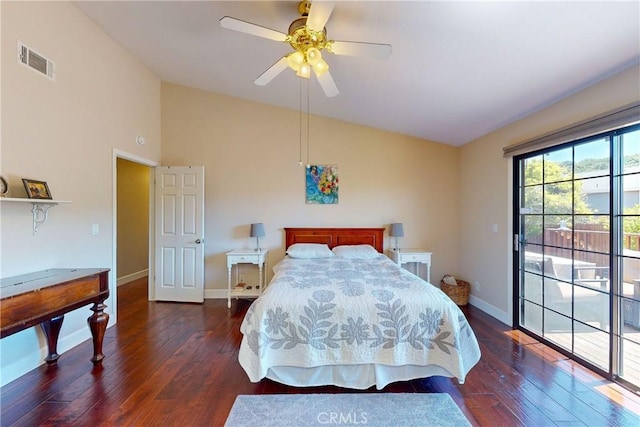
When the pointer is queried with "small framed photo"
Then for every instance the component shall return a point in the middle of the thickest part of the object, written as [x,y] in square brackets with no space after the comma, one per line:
[36,189]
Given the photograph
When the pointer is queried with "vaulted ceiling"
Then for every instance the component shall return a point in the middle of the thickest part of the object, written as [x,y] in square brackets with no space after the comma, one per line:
[458,70]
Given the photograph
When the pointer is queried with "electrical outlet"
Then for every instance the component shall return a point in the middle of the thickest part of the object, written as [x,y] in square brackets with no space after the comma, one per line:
[242,279]
[476,285]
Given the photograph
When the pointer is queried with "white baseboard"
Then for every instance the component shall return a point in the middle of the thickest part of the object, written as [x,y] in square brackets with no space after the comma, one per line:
[133,276]
[215,294]
[491,310]
[34,359]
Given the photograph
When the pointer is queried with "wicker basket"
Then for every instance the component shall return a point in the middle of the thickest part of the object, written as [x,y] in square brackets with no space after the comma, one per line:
[459,294]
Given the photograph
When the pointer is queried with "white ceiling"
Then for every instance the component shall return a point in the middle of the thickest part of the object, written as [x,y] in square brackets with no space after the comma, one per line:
[458,70]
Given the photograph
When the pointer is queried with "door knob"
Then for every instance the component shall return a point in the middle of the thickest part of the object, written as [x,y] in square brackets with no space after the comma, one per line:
[198,241]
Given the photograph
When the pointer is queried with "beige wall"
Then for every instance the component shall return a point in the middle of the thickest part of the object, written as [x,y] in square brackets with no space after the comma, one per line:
[250,152]
[65,132]
[485,192]
[133,218]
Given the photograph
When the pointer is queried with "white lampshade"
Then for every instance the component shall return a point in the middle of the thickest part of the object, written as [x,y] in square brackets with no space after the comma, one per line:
[295,59]
[320,67]
[304,71]
[313,56]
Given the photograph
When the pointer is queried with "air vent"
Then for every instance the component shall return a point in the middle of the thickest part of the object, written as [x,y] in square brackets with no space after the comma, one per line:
[29,58]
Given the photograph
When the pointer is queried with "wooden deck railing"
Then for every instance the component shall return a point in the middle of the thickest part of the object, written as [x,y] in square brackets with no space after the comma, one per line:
[631,241]
[586,240]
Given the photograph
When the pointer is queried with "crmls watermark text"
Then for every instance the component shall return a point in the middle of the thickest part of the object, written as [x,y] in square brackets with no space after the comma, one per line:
[341,418]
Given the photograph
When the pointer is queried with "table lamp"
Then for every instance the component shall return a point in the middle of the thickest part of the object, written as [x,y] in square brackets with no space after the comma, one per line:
[397,230]
[257,231]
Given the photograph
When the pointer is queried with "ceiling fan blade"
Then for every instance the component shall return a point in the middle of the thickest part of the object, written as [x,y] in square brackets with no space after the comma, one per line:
[319,15]
[253,29]
[362,49]
[272,72]
[328,85]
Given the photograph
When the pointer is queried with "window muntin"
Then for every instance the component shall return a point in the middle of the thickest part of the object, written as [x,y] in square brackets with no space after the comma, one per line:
[567,215]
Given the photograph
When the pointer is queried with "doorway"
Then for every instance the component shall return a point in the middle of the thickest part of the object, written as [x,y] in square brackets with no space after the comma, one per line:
[132,227]
[139,162]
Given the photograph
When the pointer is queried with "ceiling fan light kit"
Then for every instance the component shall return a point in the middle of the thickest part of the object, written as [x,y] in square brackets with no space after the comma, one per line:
[307,36]
[307,44]
[304,70]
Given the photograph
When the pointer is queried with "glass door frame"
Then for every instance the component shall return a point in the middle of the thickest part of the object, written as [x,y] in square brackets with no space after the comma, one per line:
[615,294]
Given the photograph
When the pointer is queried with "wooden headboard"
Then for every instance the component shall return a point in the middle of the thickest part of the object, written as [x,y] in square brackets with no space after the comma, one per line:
[336,236]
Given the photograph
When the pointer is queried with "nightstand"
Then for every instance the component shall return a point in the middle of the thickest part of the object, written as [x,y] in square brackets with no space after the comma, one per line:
[417,256]
[246,256]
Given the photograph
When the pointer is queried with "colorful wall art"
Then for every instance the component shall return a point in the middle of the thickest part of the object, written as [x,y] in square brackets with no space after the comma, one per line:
[322,184]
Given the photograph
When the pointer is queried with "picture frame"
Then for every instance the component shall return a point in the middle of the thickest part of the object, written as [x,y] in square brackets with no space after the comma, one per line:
[322,184]
[36,189]
[4,187]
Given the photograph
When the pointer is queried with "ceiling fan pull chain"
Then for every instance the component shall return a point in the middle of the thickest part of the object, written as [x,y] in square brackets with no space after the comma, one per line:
[308,122]
[300,109]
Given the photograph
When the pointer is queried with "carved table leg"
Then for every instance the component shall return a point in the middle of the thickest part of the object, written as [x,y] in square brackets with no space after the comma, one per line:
[98,325]
[51,329]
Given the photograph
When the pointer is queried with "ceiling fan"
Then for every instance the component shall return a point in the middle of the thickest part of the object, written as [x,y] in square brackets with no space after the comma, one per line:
[307,36]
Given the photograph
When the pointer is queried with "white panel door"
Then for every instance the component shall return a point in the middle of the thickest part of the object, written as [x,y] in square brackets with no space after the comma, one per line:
[179,250]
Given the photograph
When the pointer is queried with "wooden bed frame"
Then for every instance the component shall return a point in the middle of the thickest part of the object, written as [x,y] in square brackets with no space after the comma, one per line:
[336,236]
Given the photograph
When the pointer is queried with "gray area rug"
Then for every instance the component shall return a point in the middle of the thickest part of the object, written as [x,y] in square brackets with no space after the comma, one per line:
[366,409]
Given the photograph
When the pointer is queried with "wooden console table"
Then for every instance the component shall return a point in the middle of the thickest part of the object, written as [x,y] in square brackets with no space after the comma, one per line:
[43,297]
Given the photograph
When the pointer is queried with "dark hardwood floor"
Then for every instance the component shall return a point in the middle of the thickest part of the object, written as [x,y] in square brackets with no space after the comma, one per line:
[176,364]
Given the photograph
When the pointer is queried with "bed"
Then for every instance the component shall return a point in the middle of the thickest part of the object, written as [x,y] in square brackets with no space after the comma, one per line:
[352,320]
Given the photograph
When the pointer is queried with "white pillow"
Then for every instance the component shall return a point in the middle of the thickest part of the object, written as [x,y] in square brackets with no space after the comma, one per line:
[356,251]
[309,250]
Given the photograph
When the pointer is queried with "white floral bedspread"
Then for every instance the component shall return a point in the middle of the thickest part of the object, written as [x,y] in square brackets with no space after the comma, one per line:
[334,311]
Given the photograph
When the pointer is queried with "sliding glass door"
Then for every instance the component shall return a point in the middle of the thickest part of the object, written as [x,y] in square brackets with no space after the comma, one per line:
[577,218]
[627,295]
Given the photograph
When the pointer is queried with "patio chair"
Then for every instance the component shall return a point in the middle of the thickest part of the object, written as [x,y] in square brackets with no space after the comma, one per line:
[587,296]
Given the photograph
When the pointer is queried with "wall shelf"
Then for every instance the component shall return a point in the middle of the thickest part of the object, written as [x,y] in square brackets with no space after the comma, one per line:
[39,208]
